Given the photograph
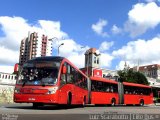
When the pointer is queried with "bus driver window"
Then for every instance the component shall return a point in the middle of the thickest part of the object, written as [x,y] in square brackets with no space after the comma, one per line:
[63,75]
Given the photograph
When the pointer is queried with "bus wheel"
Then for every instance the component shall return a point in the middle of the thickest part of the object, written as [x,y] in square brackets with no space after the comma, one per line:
[141,102]
[69,99]
[113,102]
[36,105]
[84,101]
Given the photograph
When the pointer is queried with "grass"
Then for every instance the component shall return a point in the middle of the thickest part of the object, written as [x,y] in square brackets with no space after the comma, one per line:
[6,95]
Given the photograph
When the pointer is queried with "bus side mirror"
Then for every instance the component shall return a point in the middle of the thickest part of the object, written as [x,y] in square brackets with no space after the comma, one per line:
[64,70]
[16,67]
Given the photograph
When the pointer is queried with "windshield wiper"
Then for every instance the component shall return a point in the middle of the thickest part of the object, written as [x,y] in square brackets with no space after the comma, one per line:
[24,83]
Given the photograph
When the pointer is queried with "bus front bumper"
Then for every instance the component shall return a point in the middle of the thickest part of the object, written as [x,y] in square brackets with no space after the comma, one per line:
[34,98]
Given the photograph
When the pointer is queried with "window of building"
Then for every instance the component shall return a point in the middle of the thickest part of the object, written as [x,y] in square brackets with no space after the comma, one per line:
[89,60]
[95,60]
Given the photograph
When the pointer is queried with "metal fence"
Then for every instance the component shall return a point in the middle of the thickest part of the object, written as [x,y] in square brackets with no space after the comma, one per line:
[6,93]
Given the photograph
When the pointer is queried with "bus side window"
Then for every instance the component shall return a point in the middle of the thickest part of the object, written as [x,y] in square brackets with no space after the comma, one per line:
[111,90]
[70,74]
[126,91]
[115,88]
[93,88]
[94,83]
[107,89]
[63,77]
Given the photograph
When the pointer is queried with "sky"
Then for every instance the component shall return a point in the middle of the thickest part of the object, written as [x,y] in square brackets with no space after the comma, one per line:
[122,30]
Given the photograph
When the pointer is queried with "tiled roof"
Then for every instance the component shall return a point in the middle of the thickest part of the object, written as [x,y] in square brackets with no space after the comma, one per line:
[91,50]
[149,66]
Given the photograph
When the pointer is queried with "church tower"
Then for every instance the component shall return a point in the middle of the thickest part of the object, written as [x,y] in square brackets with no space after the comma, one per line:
[92,60]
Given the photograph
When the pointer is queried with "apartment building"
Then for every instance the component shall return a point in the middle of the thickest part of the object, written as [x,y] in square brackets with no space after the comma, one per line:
[34,46]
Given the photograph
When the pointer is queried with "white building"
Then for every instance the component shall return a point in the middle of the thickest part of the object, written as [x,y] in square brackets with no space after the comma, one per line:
[152,72]
[7,78]
[93,65]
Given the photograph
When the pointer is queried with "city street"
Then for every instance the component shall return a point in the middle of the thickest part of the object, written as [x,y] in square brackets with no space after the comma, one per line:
[25,111]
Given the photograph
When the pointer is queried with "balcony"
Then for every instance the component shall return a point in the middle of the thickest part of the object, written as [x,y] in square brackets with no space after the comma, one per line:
[34,43]
[34,46]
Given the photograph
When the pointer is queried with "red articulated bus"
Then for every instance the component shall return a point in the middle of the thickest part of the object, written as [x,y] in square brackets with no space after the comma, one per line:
[137,94]
[104,91]
[51,80]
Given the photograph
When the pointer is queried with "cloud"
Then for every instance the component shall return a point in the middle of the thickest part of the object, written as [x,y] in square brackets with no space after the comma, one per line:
[105,46]
[73,51]
[106,60]
[8,55]
[150,0]
[116,30]
[99,26]
[16,28]
[144,51]
[51,29]
[141,18]
[7,69]
[121,64]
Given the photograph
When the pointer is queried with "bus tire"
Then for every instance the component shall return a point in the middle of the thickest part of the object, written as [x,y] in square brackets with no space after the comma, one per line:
[141,103]
[84,101]
[36,105]
[69,99]
[113,102]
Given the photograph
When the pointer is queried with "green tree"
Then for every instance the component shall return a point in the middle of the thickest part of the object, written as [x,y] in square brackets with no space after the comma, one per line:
[132,76]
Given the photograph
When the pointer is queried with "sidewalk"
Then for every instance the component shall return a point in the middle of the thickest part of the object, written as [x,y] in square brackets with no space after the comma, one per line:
[154,104]
[157,104]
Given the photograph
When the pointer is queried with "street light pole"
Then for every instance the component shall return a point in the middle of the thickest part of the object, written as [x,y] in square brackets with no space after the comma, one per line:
[88,64]
[59,47]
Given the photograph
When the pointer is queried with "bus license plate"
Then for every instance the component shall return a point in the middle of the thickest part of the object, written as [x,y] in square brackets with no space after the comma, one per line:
[32,99]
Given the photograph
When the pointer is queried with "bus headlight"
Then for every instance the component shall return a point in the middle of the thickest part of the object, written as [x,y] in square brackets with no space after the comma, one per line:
[17,90]
[52,90]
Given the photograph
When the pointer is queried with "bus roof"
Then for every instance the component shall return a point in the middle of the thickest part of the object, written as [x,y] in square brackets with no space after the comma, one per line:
[103,80]
[136,85]
[47,58]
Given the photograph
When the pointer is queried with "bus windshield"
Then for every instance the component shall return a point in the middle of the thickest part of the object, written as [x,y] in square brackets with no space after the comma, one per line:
[39,73]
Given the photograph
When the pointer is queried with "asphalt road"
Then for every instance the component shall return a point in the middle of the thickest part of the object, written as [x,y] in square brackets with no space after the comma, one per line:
[90,112]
